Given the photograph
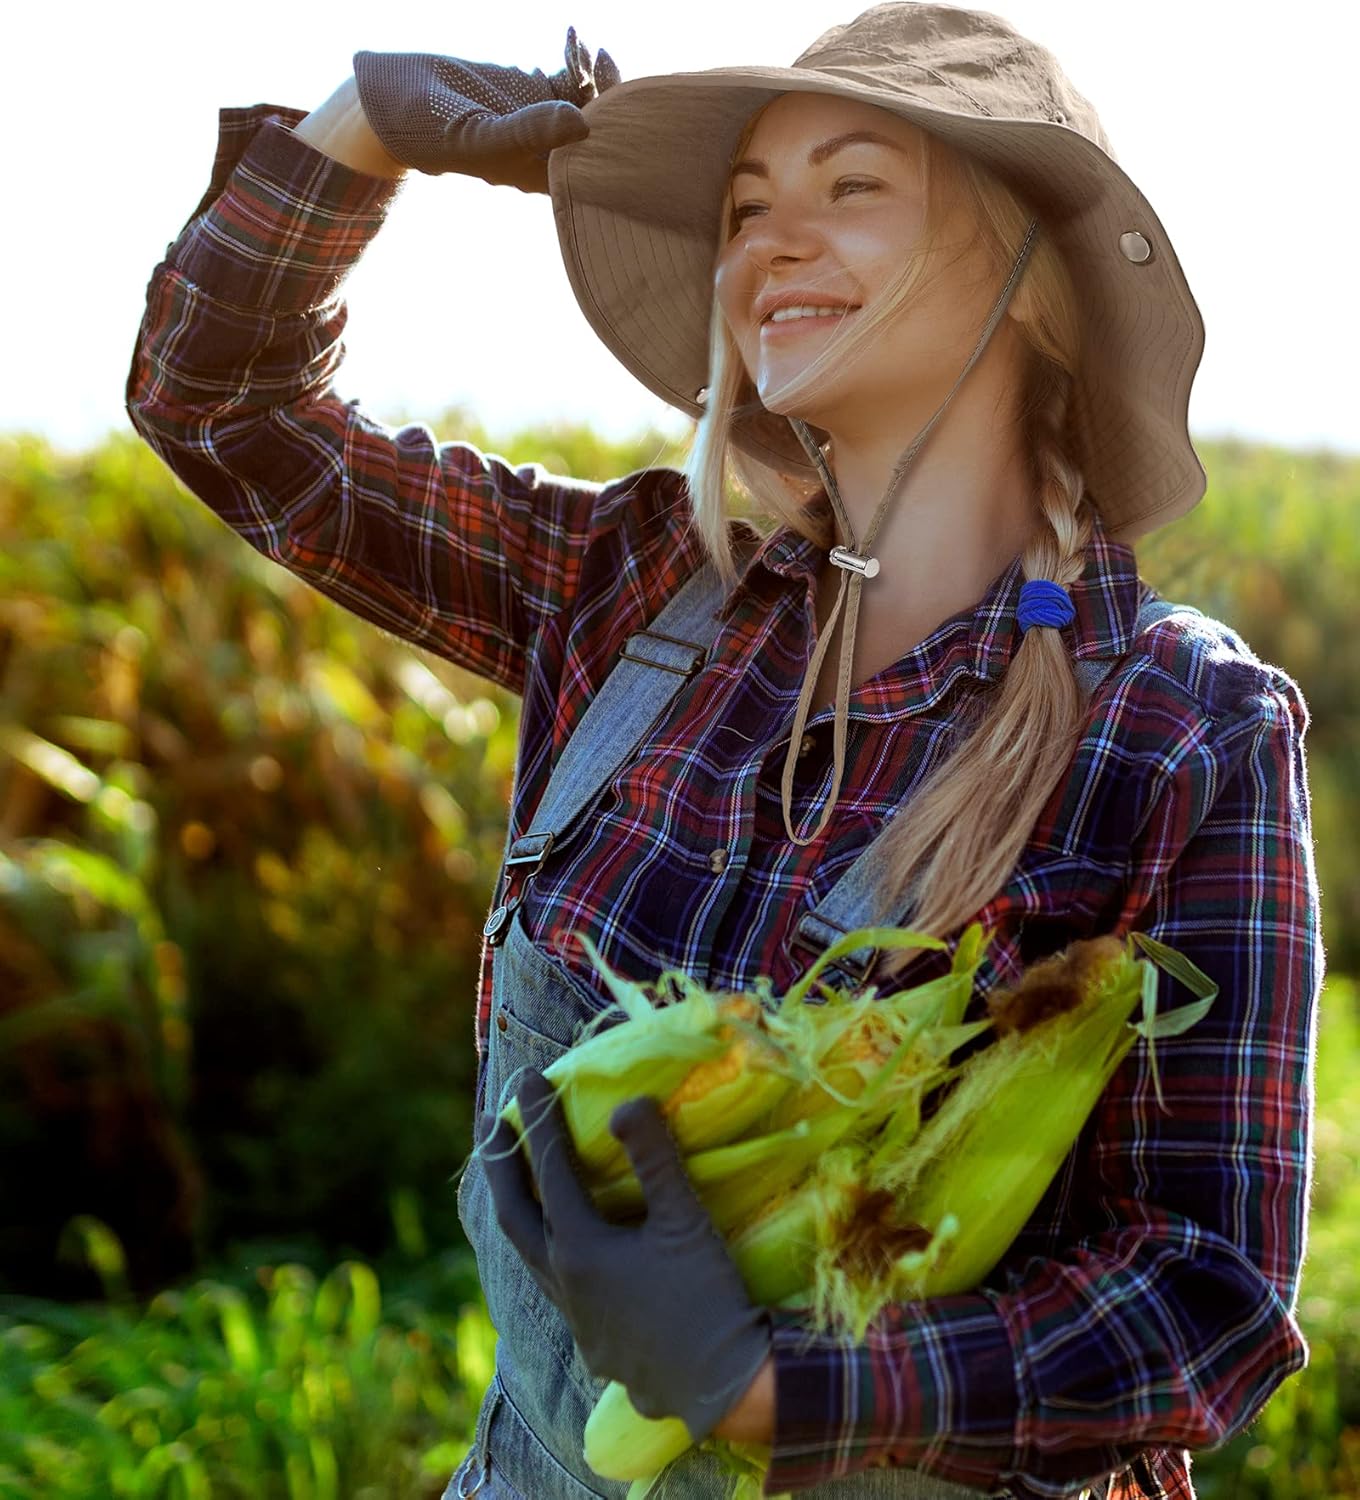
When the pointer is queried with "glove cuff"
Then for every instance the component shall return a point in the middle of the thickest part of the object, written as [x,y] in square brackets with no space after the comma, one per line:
[736,1364]
[389,83]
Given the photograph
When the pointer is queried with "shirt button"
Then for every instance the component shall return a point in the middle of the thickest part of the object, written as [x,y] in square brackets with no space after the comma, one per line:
[805,746]
[717,861]
[500,1020]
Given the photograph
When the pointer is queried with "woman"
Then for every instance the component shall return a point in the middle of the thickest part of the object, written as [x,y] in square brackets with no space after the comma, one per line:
[916,232]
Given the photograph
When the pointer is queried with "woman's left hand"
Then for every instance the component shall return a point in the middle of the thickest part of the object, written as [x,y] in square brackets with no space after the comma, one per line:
[660,1306]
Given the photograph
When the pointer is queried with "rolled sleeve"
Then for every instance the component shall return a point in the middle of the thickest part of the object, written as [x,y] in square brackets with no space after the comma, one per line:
[232,384]
[281,223]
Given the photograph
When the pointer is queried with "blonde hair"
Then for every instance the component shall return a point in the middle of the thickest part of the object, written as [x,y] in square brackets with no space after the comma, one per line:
[972,815]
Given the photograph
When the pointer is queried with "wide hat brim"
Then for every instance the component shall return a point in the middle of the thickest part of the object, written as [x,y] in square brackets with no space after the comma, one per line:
[639,205]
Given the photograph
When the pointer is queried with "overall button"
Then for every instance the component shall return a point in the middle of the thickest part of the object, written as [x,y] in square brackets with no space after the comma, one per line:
[806,745]
[717,861]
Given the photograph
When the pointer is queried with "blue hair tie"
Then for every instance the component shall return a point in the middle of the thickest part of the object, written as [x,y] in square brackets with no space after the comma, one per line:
[1043,602]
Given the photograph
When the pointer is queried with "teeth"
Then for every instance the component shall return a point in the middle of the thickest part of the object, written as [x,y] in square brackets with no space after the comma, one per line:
[787,314]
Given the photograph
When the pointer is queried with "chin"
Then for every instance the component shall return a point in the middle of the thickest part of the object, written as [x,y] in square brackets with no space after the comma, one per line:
[811,410]
[815,420]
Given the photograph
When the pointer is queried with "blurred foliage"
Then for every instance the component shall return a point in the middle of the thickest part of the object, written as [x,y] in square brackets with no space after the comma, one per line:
[1273,551]
[247,844]
[288,1388]
[275,1382]
[1306,1444]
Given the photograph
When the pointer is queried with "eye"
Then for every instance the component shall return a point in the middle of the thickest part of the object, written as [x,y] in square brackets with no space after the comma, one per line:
[852,185]
[839,189]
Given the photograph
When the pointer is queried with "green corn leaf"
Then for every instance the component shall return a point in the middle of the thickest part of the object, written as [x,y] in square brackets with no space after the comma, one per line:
[862,937]
[1149,1002]
[1174,1022]
[1195,980]
[632,997]
[1177,965]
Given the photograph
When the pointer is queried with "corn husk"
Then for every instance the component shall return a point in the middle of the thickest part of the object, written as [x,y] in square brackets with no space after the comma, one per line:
[755,1090]
[736,1181]
[897,1210]
[755,1052]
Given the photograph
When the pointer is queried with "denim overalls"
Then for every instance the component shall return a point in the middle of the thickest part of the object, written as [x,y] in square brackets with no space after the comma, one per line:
[528,1440]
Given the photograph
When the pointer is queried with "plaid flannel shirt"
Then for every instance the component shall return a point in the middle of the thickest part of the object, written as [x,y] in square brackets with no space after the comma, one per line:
[1148,1307]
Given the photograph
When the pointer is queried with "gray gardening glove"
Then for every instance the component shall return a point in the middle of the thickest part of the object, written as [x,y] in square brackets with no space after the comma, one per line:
[440,114]
[660,1306]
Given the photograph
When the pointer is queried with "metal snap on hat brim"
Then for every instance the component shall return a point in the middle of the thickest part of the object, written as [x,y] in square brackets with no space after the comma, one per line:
[639,202]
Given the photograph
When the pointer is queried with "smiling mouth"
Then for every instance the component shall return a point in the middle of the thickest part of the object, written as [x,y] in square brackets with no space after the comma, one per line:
[832,317]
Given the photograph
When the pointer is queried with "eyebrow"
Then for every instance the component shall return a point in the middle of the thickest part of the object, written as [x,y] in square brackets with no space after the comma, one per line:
[820,153]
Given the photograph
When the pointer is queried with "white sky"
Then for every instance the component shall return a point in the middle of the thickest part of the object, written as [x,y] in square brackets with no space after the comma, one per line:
[1234,119]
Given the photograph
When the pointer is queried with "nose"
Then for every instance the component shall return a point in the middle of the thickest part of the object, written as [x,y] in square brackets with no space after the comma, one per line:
[779,237]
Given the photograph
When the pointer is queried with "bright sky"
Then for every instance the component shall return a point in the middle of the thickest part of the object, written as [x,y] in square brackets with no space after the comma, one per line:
[1234,118]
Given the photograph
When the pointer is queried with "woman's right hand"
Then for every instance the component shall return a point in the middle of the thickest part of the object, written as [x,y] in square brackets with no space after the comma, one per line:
[440,114]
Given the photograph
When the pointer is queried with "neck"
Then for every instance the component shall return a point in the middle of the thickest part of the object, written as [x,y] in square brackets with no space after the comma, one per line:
[962,513]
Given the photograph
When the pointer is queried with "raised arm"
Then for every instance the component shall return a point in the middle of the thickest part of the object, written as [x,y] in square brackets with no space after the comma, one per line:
[231,380]
[339,129]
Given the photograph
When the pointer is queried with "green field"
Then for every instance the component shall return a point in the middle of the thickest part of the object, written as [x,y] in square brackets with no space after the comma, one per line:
[236,1034]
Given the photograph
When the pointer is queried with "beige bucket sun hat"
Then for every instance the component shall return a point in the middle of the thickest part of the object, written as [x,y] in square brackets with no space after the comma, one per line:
[639,206]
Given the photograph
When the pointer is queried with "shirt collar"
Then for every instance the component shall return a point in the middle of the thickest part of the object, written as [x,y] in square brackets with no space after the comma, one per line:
[984,638]
[1105,598]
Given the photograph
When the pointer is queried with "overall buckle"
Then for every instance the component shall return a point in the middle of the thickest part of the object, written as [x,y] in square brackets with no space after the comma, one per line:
[531,849]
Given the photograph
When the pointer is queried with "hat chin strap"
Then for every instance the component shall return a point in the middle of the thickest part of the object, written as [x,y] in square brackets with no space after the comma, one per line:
[856,565]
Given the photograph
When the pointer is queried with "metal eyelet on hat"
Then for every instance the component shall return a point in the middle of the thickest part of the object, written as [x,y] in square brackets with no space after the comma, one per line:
[1135,247]
[1059,118]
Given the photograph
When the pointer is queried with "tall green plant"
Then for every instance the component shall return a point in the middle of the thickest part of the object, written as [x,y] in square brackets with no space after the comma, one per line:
[296,1388]
[1273,551]
[247,843]
[246,847]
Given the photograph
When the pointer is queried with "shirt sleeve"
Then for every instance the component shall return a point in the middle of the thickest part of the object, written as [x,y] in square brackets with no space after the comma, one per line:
[1167,1318]
[231,383]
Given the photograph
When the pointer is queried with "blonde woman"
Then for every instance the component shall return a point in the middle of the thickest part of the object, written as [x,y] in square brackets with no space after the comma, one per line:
[945,345]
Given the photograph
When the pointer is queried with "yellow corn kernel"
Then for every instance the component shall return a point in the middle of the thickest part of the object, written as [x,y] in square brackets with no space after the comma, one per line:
[707,1076]
[724,1097]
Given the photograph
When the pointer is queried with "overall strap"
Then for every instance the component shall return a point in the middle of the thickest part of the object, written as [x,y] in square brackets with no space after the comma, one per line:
[858,897]
[1090,674]
[654,664]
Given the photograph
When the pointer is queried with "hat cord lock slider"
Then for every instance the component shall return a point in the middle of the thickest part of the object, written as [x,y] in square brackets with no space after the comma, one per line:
[852,562]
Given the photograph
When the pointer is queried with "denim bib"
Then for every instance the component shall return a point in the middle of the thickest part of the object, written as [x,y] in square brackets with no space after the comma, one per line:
[528,1443]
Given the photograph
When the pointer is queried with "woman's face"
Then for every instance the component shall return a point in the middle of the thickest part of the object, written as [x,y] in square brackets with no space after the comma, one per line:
[825,218]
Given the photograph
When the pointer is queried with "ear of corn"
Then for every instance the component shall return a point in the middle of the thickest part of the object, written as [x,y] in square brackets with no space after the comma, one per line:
[777,1250]
[1014,1114]
[737,1180]
[615,1065]
[899,1210]
[620,1443]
